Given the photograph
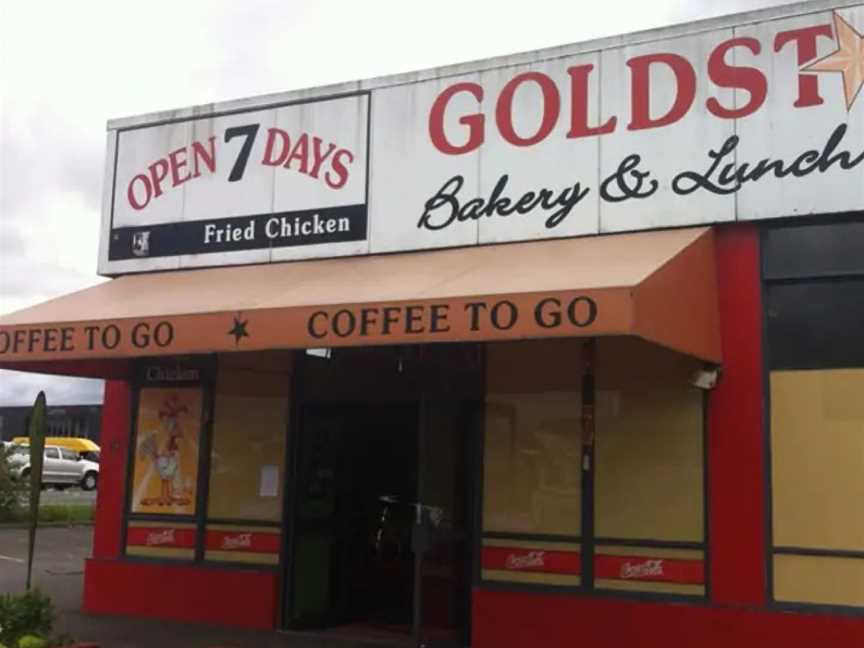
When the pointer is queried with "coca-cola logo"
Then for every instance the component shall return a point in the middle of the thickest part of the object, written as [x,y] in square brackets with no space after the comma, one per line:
[646,569]
[237,541]
[529,560]
[161,537]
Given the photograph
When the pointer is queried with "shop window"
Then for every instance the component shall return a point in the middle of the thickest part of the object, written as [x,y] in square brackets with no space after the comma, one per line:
[167,442]
[250,429]
[815,350]
[649,478]
[532,462]
[645,495]
[532,444]
[649,482]
[817,458]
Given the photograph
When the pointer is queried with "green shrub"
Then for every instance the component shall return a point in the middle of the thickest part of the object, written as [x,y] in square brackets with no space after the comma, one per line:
[10,490]
[24,614]
[32,641]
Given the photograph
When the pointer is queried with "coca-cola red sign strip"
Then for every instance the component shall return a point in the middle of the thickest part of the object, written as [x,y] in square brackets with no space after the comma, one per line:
[253,542]
[646,568]
[167,537]
[520,559]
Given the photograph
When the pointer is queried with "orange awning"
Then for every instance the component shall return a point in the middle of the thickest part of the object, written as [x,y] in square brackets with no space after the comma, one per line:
[658,285]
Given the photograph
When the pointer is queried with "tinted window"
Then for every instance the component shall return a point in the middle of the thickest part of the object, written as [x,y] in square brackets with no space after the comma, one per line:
[52,453]
[69,454]
[813,250]
[816,324]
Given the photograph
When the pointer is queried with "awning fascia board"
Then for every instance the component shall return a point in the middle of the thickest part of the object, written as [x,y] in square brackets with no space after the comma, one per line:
[669,297]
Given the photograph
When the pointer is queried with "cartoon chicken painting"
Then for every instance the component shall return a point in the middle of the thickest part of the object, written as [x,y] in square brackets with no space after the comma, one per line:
[166,459]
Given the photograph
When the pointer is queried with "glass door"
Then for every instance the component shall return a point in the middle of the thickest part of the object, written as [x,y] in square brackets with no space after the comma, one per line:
[450,411]
[382,508]
[317,524]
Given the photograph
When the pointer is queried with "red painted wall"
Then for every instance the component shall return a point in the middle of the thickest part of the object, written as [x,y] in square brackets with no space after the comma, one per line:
[523,620]
[736,453]
[115,435]
[235,597]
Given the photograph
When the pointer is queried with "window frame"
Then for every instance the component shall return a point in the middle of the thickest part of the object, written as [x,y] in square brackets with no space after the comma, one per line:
[207,367]
[587,538]
[771,276]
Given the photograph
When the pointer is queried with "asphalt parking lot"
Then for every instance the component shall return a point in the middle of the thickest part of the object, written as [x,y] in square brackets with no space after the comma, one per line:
[58,570]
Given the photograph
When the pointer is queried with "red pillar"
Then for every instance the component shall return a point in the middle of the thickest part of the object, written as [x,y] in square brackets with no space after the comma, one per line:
[736,450]
[114,442]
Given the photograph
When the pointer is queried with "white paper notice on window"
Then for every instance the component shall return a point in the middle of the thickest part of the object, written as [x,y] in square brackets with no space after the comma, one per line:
[269,482]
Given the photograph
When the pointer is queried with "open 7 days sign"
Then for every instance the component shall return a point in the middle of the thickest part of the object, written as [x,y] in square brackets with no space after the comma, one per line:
[738,119]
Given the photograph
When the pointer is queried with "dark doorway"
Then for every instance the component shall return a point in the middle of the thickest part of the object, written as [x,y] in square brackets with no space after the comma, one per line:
[382,509]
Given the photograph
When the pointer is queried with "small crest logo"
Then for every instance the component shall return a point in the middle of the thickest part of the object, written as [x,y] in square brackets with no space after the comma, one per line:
[141,244]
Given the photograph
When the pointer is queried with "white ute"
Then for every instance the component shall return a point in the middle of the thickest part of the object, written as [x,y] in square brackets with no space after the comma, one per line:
[61,467]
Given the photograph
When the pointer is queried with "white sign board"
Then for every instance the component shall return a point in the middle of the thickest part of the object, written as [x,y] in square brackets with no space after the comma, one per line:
[755,119]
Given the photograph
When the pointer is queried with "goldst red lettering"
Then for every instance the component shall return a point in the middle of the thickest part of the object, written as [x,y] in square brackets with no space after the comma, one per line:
[504,109]
[579,105]
[475,122]
[745,78]
[722,72]
[805,43]
[640,91]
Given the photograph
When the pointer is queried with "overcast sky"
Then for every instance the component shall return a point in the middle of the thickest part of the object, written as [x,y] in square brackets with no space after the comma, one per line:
[67,67]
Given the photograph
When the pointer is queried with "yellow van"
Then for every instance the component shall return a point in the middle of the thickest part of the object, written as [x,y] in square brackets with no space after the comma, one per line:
[84,447]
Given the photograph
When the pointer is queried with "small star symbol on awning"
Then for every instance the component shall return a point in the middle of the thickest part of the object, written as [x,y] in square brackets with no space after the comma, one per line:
[848,59]
[239,329]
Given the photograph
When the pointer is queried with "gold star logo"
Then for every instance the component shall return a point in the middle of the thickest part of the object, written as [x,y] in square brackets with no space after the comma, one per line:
[848,59]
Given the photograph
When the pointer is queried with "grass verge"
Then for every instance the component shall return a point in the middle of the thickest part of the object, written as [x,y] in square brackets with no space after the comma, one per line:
[68,513]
